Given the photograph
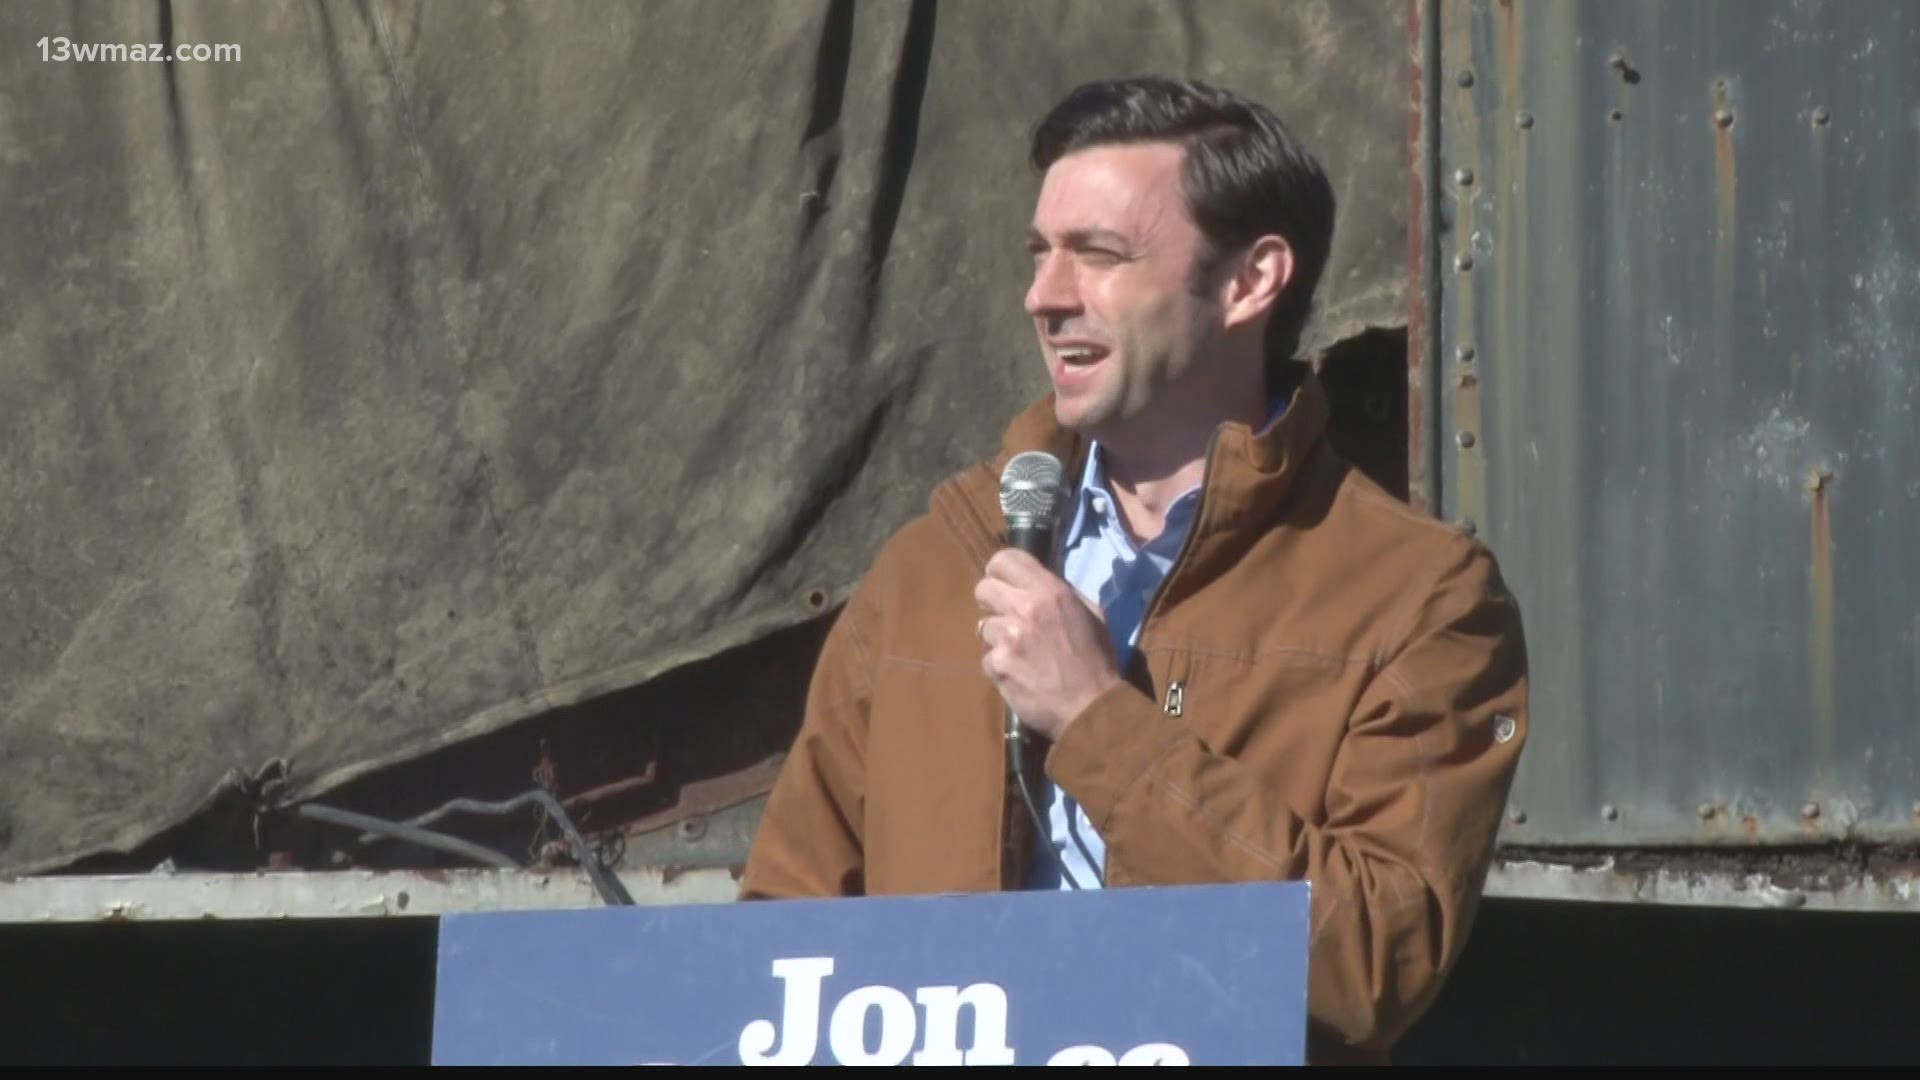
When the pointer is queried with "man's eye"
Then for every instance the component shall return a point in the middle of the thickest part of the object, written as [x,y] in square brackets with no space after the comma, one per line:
[1100,256]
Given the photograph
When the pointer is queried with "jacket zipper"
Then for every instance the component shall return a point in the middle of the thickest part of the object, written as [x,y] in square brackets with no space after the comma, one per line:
[1174,703]
[1176,698]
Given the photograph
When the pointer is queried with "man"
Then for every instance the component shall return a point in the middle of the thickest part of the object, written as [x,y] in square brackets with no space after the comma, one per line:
[1257,665]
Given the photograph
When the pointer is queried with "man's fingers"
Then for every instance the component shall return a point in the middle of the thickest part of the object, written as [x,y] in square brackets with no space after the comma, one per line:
[1000,633]
[1016,567]
[995,597]
[993,659]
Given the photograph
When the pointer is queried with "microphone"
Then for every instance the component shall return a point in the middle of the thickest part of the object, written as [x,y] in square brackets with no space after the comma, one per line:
[1031,498]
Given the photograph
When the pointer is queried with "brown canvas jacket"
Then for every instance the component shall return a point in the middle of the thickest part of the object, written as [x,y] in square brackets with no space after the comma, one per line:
[1330,686]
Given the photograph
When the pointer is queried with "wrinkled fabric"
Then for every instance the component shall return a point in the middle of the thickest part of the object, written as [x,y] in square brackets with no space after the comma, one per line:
[438,364]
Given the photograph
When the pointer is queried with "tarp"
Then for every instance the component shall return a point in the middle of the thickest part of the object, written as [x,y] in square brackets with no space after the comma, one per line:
[433,365]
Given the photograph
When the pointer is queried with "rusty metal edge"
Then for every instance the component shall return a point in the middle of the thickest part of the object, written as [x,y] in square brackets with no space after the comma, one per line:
[355,894]
[338,894]
[1607,881]
[1423,236]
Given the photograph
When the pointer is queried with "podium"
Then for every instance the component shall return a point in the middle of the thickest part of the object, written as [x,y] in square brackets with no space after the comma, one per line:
[1202,975]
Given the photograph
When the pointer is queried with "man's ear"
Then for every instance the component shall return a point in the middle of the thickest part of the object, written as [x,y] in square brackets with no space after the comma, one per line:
[1261,273]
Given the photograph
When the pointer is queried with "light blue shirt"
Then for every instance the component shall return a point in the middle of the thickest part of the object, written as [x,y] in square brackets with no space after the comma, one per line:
[1100,560]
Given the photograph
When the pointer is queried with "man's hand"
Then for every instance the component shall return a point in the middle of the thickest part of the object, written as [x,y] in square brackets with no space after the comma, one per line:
[1047,649]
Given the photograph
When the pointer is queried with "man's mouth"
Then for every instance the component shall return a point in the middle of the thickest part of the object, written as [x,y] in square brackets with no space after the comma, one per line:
[1080,355]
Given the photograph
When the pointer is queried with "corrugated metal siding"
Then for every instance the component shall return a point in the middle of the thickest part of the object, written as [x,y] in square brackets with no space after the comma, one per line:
[1679,382]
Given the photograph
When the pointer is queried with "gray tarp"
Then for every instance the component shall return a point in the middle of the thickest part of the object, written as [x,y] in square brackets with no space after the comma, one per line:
[436,364]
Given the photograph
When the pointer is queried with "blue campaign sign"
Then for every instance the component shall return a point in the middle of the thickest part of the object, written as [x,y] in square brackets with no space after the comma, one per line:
[1201,974]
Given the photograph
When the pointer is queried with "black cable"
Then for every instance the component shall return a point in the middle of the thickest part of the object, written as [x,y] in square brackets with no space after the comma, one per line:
[605,883]
[1017,760]
[451,844]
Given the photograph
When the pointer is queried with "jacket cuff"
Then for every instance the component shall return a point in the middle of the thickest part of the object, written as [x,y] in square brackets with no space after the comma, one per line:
[1109,747]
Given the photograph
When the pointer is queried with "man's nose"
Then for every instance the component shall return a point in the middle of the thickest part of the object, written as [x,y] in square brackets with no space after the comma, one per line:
[1054,290]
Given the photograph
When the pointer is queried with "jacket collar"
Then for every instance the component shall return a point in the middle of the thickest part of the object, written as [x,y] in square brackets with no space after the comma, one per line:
[1248,473]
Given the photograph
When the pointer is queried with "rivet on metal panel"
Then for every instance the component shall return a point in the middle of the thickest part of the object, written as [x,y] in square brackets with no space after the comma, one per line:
[1465,354]
[1517,816]
[1465,78]
[1810,810]
[1821,116]
[1618,62]
[1471,527]
[1723,117]
[1465,439]
[1705,810]
[1463,177]
[1610,812]
[1615,115]
[1523,121]
[1463,261]
[692,829]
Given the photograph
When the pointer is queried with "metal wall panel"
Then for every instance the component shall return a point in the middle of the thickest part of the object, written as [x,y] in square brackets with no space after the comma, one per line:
[1678,379]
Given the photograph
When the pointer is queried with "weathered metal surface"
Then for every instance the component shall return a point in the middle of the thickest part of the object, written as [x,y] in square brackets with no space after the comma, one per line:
[1611,881]
[1424,370]
[719,839]
[1818,885]
[1680,260]
[336,894]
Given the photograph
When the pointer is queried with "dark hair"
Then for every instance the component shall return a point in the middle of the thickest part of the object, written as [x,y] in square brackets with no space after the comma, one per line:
[1245,176]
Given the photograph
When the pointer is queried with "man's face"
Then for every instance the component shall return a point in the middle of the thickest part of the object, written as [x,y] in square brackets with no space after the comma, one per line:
[1115,255]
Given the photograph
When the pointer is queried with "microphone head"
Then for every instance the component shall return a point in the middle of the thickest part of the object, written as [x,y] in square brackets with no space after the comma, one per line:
[1030,491]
